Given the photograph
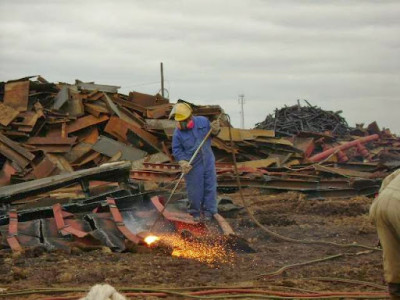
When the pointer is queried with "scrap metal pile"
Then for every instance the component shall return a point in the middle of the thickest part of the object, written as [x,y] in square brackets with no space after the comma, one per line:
[55,128]
[291,120]
[57,141]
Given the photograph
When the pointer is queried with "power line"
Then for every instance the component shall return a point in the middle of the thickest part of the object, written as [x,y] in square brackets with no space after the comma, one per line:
[140,84]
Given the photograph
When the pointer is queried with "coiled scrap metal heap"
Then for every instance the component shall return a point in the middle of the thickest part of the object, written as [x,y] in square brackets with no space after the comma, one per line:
[292,120]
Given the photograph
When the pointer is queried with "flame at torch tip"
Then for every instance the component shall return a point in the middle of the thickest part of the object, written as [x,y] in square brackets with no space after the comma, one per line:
[151,239]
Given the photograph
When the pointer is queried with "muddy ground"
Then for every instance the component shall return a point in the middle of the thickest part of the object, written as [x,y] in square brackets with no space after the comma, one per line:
[289,214]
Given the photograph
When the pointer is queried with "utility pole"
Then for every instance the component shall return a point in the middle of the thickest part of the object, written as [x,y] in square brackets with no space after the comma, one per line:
[241,102]
[162,80]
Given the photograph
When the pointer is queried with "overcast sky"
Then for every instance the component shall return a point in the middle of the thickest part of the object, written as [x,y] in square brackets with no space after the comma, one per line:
[339,55]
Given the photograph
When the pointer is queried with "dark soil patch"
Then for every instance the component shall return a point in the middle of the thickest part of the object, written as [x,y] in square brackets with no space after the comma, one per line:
[289,214]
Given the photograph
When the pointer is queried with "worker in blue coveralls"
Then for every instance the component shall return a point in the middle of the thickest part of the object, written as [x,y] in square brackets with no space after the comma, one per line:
[200,176]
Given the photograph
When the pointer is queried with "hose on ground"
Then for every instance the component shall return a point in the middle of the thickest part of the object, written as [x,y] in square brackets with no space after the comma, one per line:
[345,280]
[223,293]
[284,268]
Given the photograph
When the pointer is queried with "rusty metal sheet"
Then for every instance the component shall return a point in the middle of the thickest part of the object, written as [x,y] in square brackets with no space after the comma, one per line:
[6,172]
[109,147]
[281,157]
[169,132]
[119,221]
[275,141]
[261,163]
[218,143]
[138,141]
[52,148]
[342,172]
[119,128]
[360,166]
[88,135]
[109,172]
[239,135]
[52,144]
[152,158]
[373,128]
[7,114]
[16,95]
[154,124]
[92,137]
[74,105]
[301,185]
[175,216]
[262,133]
[135,118]
[112,106]
[94,95]
[61,98]
[29,119]
[84,122]
[51,140]
[54,131]
[61,163]
[130,105]
[96,109]
[116,157]
[120,113]
[159,111]
[97,87]
[86,158]
[78,151]
[146,100]
[15,152]
[292,162]
[161,167]
[317,135]
[45,168]
[153,176]
[14,133]
[207,110]
[304,144]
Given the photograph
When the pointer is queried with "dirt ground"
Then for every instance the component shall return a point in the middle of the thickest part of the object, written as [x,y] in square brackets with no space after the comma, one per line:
[289,214]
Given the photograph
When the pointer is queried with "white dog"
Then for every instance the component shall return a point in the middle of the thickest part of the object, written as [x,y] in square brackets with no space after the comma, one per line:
[103,292]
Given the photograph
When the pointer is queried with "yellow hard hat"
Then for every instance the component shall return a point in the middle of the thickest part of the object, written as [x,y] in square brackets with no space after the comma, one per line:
[182,111]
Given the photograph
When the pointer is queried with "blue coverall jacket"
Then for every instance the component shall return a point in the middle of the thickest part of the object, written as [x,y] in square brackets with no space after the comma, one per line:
[201,181]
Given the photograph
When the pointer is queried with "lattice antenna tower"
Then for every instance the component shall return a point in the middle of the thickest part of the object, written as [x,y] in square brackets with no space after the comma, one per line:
[241,101]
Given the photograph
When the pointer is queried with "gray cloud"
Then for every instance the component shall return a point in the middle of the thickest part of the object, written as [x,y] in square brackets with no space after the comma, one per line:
[340,55]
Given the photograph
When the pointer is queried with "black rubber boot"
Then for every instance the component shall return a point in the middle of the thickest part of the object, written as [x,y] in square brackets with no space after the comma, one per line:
[394,291]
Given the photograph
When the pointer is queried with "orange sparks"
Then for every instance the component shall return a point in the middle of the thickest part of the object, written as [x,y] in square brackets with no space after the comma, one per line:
[209,253]
[151,239]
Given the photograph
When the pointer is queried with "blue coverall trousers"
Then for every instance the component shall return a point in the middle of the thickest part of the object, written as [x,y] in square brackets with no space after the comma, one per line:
[201,189]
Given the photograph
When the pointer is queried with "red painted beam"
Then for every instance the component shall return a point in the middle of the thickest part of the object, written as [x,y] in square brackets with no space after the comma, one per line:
[320,156]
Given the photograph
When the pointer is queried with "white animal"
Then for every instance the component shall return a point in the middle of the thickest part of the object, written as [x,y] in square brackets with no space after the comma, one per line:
[103,292]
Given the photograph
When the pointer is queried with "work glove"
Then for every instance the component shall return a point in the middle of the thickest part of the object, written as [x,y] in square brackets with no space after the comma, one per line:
[215,127]
[185,166]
